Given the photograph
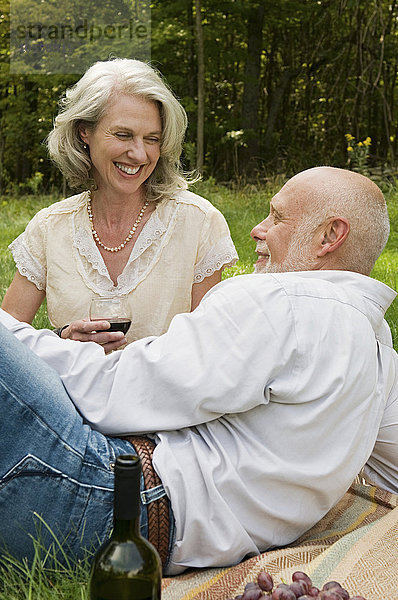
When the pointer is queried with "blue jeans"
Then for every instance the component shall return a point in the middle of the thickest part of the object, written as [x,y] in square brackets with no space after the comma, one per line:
[56,473]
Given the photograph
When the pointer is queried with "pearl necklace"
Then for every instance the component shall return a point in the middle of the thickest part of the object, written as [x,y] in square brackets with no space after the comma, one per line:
[128,238]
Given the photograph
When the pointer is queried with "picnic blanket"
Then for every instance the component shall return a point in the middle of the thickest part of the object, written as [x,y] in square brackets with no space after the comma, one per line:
[356,544]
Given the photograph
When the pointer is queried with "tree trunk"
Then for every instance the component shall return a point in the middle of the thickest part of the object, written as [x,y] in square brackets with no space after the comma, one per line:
[201,85]
[275,106]
[2,140]
[251,80]
[191,49]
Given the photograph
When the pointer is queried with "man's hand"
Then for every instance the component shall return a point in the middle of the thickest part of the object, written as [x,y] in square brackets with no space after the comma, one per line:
[94,331]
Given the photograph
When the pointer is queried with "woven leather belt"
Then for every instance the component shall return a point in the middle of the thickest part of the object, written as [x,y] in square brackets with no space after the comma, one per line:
[158,510]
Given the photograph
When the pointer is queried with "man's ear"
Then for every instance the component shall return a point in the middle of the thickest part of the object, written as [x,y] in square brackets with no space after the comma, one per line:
[334,234]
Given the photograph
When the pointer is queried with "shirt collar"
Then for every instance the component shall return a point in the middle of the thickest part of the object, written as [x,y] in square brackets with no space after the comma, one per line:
[376,291]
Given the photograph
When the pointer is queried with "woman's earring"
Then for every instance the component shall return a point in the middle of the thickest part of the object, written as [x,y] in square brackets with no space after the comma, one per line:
[85,146]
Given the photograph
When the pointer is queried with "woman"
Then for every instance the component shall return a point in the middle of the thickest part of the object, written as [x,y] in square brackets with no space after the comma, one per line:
[135,230]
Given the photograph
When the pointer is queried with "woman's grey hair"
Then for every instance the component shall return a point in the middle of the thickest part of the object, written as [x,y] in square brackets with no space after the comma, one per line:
[85,104]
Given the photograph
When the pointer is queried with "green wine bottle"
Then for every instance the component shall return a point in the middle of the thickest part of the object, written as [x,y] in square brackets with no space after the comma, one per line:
[127,566]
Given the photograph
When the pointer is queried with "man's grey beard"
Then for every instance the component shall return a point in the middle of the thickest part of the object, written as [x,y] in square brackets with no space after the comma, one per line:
[298,256]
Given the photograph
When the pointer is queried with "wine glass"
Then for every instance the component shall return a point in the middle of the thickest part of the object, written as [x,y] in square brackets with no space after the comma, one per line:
[113,309]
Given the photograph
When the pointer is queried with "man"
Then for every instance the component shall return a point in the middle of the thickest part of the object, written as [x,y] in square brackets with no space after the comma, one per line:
[264,403]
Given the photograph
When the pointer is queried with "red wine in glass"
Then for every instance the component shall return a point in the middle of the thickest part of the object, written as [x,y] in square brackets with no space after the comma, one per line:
[114,309]
[119,324]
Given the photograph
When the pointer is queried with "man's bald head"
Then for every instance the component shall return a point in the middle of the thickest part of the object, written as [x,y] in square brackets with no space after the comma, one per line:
[329,192]
[323,218]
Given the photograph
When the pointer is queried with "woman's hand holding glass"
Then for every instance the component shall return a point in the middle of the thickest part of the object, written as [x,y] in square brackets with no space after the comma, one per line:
[114,310]
[108,323]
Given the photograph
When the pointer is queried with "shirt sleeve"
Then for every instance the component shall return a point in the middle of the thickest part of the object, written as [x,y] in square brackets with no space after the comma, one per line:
[29,251]
[214,361]
[216,248]
[382,466]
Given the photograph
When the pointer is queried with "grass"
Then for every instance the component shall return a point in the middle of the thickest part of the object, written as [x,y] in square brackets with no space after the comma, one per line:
[46,578]
[19,580]
[243,208]
[51,575]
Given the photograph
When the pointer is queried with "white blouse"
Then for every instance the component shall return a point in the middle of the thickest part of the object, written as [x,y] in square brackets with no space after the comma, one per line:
[185,240]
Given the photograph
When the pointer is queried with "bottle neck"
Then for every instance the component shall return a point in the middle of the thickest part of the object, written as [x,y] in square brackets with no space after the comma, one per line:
[126,504]
[126,529]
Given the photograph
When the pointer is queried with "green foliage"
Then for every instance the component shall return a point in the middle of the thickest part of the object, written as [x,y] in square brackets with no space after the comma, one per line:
[243,207]
[67,38]
[358,154]
[326,68]
[16,213]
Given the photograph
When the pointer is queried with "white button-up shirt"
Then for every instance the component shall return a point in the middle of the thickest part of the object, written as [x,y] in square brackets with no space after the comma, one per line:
[266,402]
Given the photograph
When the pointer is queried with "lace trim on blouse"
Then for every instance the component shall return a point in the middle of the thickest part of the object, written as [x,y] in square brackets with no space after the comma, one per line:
[26,264]
[99,280]
[223,254]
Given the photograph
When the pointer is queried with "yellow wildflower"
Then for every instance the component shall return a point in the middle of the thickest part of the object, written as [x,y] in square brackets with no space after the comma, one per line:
[360,144]
[349,148]
[368,141]
[349,137]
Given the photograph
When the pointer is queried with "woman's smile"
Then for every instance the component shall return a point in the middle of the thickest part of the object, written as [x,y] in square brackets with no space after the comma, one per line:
[128,170]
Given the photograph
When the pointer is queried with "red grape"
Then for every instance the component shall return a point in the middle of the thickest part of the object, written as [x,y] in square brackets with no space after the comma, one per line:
[265,581]
[337,589]
[328,595]
[300,576]
[251,585]
[301,588]
[283,593]
[343,593]
[252,594]
[331,584]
